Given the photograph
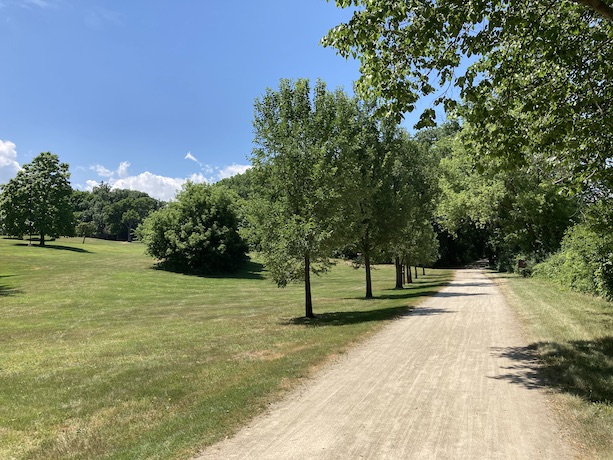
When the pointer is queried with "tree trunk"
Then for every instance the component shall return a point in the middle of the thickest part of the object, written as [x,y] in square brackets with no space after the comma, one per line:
[409,276]
[399,274]
[308,302]
[41,242]
[415,271]
[368,277]
[423,270]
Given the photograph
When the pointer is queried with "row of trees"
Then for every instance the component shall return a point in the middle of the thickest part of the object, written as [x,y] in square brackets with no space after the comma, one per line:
[329,179]
[333,178]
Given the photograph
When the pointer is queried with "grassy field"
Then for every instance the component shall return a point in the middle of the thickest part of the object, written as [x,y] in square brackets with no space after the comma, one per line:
[103,356]
[572,334]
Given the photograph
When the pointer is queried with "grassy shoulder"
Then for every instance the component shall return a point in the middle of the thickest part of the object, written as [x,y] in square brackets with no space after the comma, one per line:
[103,356]
[572,335]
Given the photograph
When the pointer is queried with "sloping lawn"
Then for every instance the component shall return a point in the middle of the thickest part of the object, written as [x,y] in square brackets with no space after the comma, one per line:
[104,356]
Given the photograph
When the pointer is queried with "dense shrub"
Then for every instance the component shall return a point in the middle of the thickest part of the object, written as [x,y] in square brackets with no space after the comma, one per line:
[584,262]
[197,232]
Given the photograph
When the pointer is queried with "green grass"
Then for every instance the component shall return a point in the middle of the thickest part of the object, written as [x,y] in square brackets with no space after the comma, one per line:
[572,335]
[103,356]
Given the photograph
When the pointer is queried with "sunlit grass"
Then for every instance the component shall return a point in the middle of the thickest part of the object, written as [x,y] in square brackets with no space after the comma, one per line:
[103,356]
[572,334]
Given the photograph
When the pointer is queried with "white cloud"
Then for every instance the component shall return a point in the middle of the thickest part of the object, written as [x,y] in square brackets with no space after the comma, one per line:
[232,170]
[189,156]
[160,187]
[8,161]
[101,171]
[122,171]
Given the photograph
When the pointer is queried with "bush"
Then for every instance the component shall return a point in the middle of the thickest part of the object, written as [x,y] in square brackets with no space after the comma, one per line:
[197,232]
[584,262]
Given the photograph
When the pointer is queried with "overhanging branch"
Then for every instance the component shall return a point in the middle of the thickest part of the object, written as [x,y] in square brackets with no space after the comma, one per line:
[599,6]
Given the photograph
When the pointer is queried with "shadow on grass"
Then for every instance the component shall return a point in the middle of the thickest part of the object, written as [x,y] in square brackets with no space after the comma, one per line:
[6,291]
[583,368]
[249,271]
[57,247]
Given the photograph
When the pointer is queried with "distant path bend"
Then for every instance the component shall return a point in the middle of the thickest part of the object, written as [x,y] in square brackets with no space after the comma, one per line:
[444,382]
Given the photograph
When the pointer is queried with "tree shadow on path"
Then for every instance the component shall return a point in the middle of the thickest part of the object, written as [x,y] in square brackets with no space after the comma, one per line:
[354,317]
[583,368]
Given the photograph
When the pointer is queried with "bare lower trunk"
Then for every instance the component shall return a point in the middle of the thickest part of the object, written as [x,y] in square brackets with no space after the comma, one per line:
[368,277]
[42,239]
[308,302]
[409,276]
[399,273]
[423,270]
[415,271]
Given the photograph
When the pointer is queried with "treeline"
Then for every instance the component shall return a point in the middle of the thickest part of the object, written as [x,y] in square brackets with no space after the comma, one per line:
[111,213]
[40,201]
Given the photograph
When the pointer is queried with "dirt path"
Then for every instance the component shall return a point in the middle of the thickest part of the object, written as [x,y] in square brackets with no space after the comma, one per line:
[443,382]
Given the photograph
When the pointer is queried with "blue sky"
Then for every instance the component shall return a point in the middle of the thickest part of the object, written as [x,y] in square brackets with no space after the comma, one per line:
[145,94]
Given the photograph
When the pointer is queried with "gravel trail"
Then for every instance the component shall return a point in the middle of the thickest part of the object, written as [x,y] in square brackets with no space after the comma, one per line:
[446,381]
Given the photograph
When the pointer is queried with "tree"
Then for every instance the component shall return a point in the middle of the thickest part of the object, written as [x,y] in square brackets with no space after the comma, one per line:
[85,229]
[196,232]
[128,208]
[540,83]
[38,200]
[294,138]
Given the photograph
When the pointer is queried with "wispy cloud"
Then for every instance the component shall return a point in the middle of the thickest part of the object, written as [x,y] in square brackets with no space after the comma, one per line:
[102,171]
[35,3]
[122,171]
[189,156]
[8,161]
[98,18]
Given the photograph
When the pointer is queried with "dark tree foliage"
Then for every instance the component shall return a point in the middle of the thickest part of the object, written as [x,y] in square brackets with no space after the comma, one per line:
[114,213]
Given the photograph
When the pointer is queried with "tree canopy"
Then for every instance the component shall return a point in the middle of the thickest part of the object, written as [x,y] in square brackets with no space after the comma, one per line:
[295,133]
[540,82]
[38,200]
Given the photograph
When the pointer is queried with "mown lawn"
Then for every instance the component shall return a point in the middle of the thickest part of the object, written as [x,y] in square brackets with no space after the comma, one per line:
[103,356]
[572,335]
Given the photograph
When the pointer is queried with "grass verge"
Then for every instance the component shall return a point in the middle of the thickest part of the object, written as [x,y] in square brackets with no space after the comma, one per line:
[103,356]
[572,335]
